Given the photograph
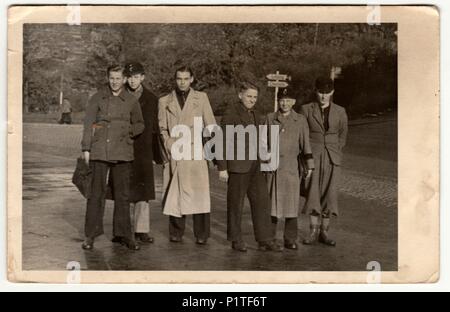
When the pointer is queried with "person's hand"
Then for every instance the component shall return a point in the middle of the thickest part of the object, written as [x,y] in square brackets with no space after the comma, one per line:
[211,164]
[309,173]
[223,176]
[86,155]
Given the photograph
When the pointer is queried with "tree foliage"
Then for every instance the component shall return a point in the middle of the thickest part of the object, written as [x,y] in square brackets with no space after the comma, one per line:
[221,56]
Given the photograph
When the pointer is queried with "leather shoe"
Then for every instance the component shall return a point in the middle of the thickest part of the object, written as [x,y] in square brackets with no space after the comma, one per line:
[323,235]
[144,238]
[239,246]
[175,239]
[290,245]
[130,244]
[88,244]
[117,239]
[201,241]
[269,246]
[324,239]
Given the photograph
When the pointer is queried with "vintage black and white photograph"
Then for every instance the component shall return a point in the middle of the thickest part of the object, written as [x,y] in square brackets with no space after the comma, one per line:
[210,146]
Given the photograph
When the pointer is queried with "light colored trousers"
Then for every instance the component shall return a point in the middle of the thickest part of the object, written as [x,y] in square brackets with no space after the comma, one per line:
[141,217]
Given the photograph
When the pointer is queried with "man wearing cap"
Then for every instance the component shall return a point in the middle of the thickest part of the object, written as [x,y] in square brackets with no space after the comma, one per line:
[113,119]
[328,133]
[293,148]
[146,150]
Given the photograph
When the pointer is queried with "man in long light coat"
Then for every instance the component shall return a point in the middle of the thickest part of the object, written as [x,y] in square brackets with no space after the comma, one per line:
[328,128]
[186,181]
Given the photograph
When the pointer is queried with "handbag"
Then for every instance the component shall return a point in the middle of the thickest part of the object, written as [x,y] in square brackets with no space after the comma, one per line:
[159,151]
[82,178]
[305,182]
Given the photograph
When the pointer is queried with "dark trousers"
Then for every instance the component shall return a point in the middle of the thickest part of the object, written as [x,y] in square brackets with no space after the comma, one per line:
[290,228]
[120,173]
[201,225]
[253,185]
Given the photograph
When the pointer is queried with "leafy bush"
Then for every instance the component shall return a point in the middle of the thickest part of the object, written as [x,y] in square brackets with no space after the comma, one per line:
[221,55]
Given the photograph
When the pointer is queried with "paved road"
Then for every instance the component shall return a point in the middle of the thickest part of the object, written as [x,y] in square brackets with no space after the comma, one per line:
[53,215]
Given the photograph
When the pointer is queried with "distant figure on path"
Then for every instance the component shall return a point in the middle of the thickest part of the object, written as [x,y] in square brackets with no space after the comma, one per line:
[66,112]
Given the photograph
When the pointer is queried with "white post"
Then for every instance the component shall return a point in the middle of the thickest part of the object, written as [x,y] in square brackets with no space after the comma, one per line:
[276,96]
[61,95]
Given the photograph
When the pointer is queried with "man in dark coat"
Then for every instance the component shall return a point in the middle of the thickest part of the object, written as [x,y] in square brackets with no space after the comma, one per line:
[146,151]
[113,119]
[244,176]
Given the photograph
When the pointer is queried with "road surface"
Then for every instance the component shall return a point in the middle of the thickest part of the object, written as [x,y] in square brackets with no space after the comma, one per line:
[53,214]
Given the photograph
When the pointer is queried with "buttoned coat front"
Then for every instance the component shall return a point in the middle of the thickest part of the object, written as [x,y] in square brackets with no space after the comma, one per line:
[142,179]
[186,182]
[333,139]
[284,183]
[110,125]
[236,116]
[327,147]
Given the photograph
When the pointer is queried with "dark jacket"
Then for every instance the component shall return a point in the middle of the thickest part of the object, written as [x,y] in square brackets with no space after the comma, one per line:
[237,115]
[332,140]
[110,125]
[146,149]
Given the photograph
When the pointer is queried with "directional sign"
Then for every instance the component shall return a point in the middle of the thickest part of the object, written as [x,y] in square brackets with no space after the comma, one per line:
[277,81]
[277,77]
[277,84]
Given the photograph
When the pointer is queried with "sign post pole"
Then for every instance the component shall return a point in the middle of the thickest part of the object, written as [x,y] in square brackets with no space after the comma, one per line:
[277,81]
[276,96]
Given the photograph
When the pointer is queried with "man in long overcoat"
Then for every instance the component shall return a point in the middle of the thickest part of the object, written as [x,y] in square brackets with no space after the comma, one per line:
[328,129]
[146,151]
[186,181]
[293,148]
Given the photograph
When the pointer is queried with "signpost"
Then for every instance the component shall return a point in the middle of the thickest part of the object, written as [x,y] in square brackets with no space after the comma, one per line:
[277,76]
[277,84]
[277,81]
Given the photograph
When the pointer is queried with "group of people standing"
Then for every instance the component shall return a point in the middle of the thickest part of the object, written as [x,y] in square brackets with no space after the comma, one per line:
[127,130]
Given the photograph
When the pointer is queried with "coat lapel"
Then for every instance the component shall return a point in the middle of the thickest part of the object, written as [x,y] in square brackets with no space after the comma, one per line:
[276,120]
[190,105]
[294,116]
[291,118]
[317,114]
[332,118]
[144,96]
[173,105]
